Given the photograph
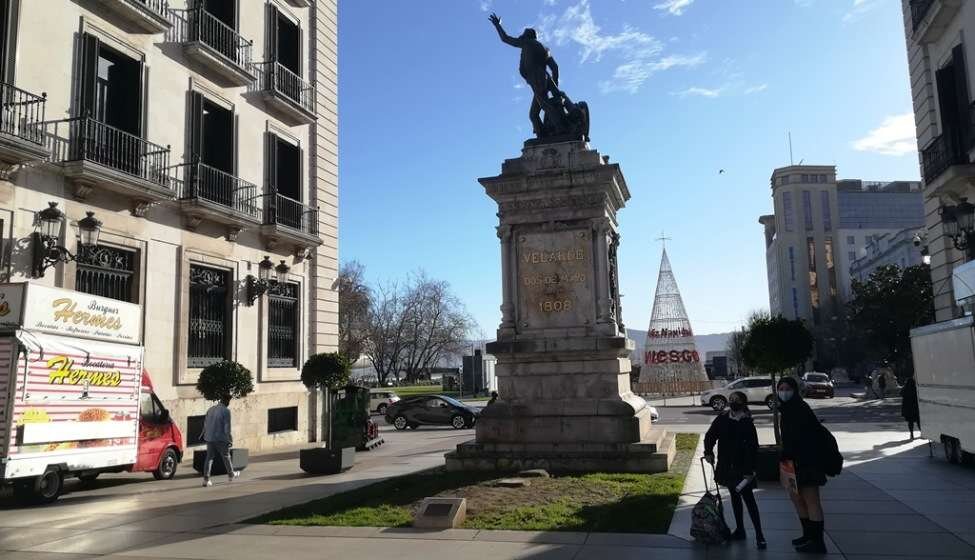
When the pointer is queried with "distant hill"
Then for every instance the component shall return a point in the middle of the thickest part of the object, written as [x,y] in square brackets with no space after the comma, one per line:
[705,342]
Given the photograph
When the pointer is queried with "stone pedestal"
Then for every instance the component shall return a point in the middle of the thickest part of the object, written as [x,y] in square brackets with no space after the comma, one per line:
[563,365]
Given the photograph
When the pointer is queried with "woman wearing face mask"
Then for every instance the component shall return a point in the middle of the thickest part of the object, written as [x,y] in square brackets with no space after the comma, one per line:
[734,432]
[801,436]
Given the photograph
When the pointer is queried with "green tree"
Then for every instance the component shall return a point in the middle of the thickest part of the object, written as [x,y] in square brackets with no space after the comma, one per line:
[885,308]
[775,345]
[225,379]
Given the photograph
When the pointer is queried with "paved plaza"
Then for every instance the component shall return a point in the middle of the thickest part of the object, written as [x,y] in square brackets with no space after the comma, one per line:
[892,501]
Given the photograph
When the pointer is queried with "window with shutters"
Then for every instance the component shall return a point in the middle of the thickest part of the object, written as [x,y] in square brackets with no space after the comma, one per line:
[957,137]
[209,316]
[282,333]
[284,184]
[107,272]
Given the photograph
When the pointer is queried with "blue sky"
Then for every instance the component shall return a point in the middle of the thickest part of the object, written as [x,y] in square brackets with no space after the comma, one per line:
[430,100]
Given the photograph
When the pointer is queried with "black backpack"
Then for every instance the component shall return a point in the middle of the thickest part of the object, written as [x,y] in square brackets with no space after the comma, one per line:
[832,458]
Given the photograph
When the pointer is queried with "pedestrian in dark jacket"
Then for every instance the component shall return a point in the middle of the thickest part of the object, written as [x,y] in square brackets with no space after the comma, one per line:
[909,407]
[734,432]
[802,444]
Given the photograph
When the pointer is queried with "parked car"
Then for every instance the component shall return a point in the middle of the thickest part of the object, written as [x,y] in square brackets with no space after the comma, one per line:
[436,410]
[757,389]
[816,384]
[380,399]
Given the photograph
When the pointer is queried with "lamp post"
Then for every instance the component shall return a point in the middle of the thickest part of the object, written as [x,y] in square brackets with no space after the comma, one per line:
[47,231]
[264,282]
[959,225]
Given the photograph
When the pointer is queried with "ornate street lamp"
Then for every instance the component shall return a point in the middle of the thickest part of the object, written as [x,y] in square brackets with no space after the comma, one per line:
[47,231]
[263,283]
[959,225]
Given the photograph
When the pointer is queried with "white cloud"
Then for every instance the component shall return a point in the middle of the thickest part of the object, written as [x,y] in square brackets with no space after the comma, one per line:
[859,8]
[699,92]
[486,5]
[756,89]
[637,55]
[894,137]
[674,7]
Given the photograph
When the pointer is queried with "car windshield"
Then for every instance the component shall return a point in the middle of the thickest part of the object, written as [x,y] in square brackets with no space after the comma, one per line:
[454,402]
[817,378]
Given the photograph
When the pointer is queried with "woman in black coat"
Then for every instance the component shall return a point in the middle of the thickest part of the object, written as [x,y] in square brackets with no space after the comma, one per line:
[734,432]
[802,444]
[909,407]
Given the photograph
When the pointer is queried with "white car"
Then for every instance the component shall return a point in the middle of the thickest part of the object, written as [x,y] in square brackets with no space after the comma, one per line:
[757,389]
[380,399]
[654,415]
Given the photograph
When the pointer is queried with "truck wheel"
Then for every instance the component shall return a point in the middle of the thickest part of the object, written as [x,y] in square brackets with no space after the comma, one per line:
[952,450]
[167,466]
[46,488]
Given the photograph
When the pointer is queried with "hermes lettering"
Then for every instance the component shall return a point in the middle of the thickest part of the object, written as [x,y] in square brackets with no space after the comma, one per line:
[99,316]
[63,372]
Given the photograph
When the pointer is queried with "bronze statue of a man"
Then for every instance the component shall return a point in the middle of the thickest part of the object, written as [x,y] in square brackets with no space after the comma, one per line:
[536,61]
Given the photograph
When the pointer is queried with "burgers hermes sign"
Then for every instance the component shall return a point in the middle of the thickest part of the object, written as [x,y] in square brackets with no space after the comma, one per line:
[68,313]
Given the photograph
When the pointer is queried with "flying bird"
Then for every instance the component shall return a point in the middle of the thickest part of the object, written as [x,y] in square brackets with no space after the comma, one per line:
[721,172]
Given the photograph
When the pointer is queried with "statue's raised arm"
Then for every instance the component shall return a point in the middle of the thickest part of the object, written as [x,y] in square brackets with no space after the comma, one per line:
[504,36]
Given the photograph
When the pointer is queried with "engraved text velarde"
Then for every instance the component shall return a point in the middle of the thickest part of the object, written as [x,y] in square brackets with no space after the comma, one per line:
[554,279]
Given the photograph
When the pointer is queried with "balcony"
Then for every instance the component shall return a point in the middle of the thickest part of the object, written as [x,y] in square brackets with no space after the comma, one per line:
[930,18]
[300,3]
[286,93]
[289,221]
[147,16]
[217,47]
[946,167]
[21,128]
[207,193]
[95,155]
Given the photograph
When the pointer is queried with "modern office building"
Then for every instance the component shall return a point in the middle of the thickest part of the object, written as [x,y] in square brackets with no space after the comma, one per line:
[202,134]
[902,249]
[819,227]
[940,53]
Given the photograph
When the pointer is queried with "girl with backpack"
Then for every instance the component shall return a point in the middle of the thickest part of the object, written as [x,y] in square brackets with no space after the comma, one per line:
[804,441]
[734,432]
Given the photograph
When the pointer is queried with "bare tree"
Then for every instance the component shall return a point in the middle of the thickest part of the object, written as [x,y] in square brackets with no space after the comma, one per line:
[387,331]
[354,302]
[736,346]
[437,327]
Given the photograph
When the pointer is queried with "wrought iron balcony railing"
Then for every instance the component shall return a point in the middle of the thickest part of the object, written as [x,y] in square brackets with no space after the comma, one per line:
[939,155]
[203,27]
[201,181]
[22,113]
[919,9]
[283,211]
[86,139]
[277,78]
[157,7]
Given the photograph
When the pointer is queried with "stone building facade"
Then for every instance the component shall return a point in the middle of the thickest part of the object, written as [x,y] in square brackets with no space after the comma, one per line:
[940,54]
[203,135]
[820,226]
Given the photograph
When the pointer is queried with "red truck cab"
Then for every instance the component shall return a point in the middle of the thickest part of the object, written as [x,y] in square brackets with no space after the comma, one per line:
[160,440]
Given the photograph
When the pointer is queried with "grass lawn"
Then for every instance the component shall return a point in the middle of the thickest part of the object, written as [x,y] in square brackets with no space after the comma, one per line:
[622,503]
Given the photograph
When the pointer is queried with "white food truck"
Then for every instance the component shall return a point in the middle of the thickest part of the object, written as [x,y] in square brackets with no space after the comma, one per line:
[944,368]
[74,397]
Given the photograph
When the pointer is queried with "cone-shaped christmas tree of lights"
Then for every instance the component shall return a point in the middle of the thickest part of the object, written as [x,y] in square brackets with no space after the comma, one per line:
[670,353]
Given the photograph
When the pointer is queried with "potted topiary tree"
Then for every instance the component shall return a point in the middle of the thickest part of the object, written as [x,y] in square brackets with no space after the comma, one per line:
[328,373]
[772,346]
[217,381]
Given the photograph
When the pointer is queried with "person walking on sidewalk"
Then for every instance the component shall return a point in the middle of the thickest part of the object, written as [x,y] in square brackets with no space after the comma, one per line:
[802,445]
[217,435]
[882,384]
[909,406]
[734,432]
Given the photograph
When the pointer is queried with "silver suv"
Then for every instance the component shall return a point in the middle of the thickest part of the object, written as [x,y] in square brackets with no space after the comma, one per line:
[757,389]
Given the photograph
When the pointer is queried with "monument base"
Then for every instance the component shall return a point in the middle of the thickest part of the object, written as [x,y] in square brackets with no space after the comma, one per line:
[650,456]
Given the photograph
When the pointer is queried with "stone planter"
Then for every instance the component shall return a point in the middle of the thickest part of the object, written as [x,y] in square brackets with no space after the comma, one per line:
[238,456]
[319,460]
[767,462]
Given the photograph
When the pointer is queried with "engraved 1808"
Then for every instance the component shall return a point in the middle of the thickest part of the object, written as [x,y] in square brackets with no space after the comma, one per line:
[555,306]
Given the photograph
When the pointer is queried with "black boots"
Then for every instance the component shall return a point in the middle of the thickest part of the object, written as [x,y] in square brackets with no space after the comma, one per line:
[805,533]
[814,543]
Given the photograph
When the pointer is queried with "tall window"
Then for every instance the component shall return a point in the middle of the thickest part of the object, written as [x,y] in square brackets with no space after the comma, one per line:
[952,81]
[110,86]
[807,209]
[282,331]
[824,207]
[209,336]
[792,263]
[813,280]
[787,209]
[8,38]
[795,303]
[284,182]
[283,40]
[830,267]
[107,272]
